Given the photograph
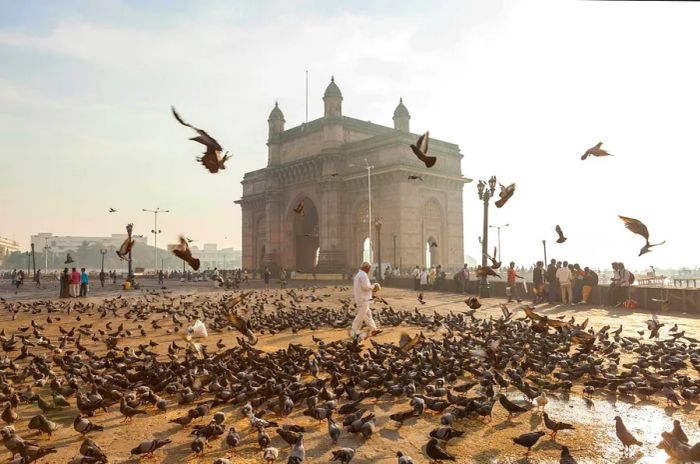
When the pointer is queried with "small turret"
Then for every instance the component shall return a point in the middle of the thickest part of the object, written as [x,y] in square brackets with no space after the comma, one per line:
[275,122]
[401,117]
[332,101]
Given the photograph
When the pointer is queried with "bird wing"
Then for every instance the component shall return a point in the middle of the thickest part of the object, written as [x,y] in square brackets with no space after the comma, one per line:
[636,226]
[206,139]
[559,231]
[420,149]
[505,195]
[180,120]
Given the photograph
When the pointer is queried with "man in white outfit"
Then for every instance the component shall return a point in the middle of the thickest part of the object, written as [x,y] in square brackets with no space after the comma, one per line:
[362,289]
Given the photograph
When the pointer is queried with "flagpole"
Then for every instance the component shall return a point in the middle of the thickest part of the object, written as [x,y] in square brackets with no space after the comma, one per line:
[307,98]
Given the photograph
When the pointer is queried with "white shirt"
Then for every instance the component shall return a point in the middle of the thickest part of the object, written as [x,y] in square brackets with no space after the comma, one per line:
[624,277]
[416,273]
[424,278]
[564,275]
[361,288]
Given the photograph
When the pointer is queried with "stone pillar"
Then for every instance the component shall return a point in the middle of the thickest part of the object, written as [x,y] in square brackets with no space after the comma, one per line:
[246,235]
[273,232]
[332,254]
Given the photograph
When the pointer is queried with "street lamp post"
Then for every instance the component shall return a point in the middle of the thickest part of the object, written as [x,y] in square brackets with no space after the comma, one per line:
[29,255]
[103,253]
[369,203]
[378,225]
[486,191]
[130,273]
[544,245]
[499,238]
[46,256]
[155,231]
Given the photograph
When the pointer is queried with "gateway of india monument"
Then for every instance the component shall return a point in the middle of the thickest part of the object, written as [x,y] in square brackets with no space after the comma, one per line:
[322,163]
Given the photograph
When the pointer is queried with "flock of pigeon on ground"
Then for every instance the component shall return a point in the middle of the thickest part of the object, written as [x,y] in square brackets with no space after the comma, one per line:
[461,370]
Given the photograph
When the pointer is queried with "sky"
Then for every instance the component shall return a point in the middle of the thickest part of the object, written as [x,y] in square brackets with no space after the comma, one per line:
[524,87]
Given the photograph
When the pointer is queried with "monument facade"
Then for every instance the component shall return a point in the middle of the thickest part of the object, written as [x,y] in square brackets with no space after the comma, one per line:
[322,163]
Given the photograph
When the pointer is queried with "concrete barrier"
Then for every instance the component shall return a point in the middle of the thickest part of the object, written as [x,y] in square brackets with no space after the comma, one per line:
[682,299]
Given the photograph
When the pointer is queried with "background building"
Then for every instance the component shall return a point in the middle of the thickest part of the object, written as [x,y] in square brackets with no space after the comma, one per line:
[8,246]
[210,257]
[322,163]
[66,243]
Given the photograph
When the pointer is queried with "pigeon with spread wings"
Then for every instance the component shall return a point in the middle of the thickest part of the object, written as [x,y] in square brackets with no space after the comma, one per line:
[182,251]
[636,226]
[505,194]
[595,151]
[112,210]
[420,149]
[125,248]
[494,264]
[212,159]
[300,208]
[559,232]
[243,327]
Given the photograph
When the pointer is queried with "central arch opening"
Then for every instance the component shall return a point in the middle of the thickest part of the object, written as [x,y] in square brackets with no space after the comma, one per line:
[306,237]
[366,251]
[431,258]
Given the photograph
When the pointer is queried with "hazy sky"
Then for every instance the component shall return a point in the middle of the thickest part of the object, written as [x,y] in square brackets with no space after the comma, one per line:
[524,87]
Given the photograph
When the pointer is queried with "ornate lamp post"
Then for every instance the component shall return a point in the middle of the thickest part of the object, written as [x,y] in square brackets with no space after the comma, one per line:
[486,191]
[103,253]
[378,225]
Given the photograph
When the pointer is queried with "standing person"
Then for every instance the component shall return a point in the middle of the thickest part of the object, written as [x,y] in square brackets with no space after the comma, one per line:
[160,277]
[538,282]
[614,285]
[14,277]
[37,277]
[20,279]
[283,278]
[514,290]
[362,290]
[578,275]
[457,279]
[416,278]
[590,280]
[551,278]
[625,281]
[83,282]
[74,283]
[564,277]
[423,279]
[465,279]
[266,277]
[64,284]
[102,278]
[216,278]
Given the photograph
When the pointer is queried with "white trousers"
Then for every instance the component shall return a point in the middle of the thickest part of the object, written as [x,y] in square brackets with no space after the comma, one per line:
[364,314]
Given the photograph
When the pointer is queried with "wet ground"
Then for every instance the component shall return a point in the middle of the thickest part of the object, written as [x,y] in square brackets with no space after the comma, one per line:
[593,441]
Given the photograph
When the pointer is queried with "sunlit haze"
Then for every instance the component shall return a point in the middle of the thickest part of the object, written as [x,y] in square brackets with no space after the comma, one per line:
[524,87]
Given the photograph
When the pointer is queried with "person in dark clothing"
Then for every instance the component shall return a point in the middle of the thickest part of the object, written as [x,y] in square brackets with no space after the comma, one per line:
[538,282]
[590,281]
[102,278]
[65,284]
[266,277]
[551,278]
[578,283]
